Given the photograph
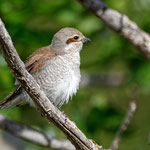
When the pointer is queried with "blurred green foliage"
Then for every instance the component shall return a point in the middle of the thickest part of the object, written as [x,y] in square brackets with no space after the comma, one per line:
[97,110]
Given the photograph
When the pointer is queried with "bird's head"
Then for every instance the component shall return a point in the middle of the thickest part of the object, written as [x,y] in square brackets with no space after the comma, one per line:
[68,40]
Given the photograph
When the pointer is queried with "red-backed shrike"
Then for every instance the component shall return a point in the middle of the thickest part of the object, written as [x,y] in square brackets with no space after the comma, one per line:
[56,68]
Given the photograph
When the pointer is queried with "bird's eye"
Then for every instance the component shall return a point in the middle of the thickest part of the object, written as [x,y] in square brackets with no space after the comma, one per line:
[75,37]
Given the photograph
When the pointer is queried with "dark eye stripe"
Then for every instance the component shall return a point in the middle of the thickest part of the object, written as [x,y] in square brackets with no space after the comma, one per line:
[71,40]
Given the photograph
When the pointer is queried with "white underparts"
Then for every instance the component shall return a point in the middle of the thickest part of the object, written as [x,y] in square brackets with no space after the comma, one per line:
[59,78]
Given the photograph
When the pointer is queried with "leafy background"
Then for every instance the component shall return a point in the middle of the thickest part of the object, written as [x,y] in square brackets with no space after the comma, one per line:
[96,110]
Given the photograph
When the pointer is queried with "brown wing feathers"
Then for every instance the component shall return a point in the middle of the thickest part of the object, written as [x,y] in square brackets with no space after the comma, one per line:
[11,96]
[39,59]
[34,62]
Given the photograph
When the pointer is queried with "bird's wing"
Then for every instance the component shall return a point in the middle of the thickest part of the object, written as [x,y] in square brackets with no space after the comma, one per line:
[37,60]
[10,97]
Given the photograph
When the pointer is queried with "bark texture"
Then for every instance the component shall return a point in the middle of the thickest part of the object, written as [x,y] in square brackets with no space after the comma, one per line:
[43,104]
[29,134]
[121,24]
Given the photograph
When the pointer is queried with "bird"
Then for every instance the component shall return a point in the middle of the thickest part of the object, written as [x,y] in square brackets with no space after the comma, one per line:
[56,68]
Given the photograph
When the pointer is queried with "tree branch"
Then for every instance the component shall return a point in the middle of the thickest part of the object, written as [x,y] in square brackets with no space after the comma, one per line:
[34,136]
[121,24]
[42,103]
[123,127]
[102,79]
[29,134]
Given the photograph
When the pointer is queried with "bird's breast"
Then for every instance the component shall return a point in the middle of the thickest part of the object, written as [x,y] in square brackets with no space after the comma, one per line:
[60,78]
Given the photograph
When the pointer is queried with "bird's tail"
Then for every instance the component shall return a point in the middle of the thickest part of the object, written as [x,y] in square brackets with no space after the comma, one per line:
[13,99]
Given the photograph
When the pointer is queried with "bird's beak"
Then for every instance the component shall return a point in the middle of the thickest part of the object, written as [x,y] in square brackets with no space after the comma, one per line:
[85,39]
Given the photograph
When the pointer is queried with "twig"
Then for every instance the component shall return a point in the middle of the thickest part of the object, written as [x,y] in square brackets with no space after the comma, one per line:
[29,134]
[43,104]
[149,139]
[121,24]
[102,79]
[123,127]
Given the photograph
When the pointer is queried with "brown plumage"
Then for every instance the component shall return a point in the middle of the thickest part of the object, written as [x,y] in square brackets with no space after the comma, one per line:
[11,96]
[36,61]
[39,58]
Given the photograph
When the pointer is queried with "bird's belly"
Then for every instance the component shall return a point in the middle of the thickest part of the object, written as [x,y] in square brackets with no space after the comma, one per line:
[65,89]
[60,91]
[59,87]
[59,79]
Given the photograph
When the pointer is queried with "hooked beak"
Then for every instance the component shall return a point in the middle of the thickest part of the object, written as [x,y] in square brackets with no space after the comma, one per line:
[86,39]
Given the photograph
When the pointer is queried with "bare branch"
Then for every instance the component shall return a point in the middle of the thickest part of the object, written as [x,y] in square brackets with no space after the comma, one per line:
[29,134]
[149,139]
[121,24]
[123,127]
[42,103]
[102,79]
